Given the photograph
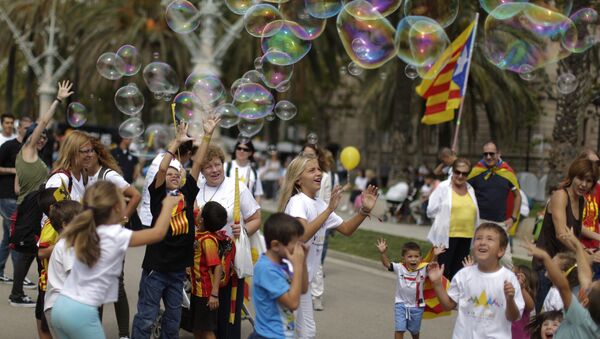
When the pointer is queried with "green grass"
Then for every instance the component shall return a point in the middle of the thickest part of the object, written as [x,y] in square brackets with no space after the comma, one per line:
[362,244]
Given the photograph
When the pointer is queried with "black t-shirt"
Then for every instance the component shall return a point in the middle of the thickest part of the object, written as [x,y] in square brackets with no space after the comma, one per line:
[176,251]
[491,196]
[8,155]
[126,161]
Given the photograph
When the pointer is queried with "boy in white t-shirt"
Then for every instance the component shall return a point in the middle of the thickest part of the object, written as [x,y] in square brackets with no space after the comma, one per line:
[409,303]
[487,295]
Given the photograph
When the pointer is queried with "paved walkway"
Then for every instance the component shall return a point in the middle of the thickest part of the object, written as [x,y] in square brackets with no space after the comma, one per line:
[412,230]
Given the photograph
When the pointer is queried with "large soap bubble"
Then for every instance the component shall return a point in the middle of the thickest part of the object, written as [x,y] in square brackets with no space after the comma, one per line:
[129,100]
[249,128]
[131,60]
[182,16]
[563,7]
[367,36]
[131,128]
[286,41]
[307,27]
[253,101]
[187,106]
[209,89]
[586,27]
[285,110]
[273,74]
[323,9]
[229,114]
[76,114]
[520,36]
[110,65]
[442,11]
[161,79]
[158,136]
[420,40]
[259,16]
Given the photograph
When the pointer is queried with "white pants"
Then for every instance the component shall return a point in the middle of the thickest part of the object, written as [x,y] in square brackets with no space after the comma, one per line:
[506,260]
[317,286]
[305,320]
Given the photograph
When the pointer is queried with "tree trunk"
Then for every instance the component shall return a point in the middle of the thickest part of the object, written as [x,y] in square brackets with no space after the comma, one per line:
[10,78]
[566,126]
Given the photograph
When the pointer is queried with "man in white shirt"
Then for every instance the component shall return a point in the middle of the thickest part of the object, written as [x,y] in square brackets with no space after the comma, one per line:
[8,128]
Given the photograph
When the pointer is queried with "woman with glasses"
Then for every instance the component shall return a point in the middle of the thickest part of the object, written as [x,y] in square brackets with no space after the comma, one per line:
[453,208]
[243,160]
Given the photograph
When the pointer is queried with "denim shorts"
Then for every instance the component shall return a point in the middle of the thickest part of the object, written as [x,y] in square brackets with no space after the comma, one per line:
[408,318]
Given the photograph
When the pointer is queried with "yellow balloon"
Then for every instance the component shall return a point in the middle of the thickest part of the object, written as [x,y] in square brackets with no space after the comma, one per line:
[350,158]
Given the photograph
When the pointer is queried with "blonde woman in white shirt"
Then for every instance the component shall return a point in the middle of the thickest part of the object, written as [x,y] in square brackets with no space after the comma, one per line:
[453,208]
[299,199]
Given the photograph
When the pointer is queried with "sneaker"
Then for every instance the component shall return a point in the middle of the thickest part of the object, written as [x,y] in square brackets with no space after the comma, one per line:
[318,304]
[28,284]
[22,301]
[5,280]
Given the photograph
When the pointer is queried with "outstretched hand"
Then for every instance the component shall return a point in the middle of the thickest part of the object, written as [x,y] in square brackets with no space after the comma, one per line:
[381,245]
[437,250]
[181,135]
[209,124]
[435,272]
[336,196]
[64,90]
[533,250]
[369,197]
[468,261]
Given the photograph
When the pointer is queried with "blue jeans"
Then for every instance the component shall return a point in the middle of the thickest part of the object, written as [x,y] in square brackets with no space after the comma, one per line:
[155,286]
[7,209]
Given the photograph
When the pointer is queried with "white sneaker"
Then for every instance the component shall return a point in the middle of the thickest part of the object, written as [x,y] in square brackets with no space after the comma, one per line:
[5,279]
[28,284]
[318,304]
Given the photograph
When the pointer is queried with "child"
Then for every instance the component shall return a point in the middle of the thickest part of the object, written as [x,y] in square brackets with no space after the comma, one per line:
[276,289]
[61,260]
[578,322]
[544,325]
[567,263]
[99,242]
[528,284]
[409,302]
[207,271]
[487,295]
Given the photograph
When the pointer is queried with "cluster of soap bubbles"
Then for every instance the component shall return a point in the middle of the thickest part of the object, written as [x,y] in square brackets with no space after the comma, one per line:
[125,62]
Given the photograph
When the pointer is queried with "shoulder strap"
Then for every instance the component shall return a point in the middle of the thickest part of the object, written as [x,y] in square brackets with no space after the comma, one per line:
[255,180]
[68,174]
[228,169]
[103,172]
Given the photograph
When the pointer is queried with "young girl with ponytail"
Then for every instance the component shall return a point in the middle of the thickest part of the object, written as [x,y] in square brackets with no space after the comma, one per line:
[99,242]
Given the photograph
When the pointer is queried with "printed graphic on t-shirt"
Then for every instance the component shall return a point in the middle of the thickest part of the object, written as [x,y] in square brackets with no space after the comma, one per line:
[287,316]
[179,222]
[483,307]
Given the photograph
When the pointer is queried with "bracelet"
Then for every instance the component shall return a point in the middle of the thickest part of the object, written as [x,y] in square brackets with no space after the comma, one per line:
[214,296]
[206,138]
[57,99]
[363,211]
[171,153]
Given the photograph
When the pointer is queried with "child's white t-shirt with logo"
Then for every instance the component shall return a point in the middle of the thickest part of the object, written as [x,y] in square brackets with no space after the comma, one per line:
[482,304]
[409,287]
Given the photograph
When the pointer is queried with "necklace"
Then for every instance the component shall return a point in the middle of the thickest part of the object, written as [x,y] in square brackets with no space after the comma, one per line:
[212,196]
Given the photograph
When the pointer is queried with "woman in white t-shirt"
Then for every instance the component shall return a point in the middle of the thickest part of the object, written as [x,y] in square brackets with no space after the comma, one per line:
[299,199]
[99,243]
[243,158]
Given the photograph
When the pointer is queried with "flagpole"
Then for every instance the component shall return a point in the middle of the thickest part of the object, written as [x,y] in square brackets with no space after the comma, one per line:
[462,99]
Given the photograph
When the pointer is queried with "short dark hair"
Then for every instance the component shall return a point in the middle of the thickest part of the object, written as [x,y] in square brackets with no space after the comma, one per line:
[214,216]
[62,212]
[46,198]
[495,227]
[283,228]
[26,118]
[185,148]
[410,246]
[6,116]
[594,302]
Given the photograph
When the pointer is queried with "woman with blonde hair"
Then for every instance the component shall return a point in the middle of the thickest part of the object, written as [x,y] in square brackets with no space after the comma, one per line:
[74,157]
[99,244]
[299,199]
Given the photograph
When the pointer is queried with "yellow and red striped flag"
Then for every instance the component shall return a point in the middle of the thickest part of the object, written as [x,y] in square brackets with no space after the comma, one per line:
[444,91]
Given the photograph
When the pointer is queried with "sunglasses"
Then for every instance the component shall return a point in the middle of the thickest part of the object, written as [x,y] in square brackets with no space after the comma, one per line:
[243,149]
[489,154]
[459,173]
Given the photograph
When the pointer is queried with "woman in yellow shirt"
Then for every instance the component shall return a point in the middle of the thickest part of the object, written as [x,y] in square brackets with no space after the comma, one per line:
[453,208]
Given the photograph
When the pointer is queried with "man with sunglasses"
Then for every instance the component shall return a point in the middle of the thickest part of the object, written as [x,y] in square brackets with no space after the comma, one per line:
[497,191]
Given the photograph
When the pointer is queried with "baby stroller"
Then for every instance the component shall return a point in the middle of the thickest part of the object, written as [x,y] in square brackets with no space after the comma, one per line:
[398,198]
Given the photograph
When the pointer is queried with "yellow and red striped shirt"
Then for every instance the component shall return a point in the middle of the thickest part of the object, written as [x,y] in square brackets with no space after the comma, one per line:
[48,237]
[206,257]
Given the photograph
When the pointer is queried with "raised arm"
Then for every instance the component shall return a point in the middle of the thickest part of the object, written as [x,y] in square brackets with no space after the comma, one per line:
[311,228]
[29,146]
[435,273]
[558,208]
[369,198]
[180,137]
[134,199]
[382,248]
[156,233]
[209,126]
[584,262]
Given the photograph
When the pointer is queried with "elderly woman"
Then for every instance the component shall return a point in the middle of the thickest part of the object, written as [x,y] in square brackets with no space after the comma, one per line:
[564,212]
[453,208]
[219,188]
[243,159]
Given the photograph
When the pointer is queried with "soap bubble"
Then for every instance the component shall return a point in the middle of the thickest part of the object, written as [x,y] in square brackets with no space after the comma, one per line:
[285,110]
[209,89]
[420,40]
[131,60]
[188,106]
[286,41]
[131,128]
[312,138]
[250,128]
[76,114]
[161,79]
[239,7]
[284,86]
[306,26]
[229,115]
[442,11]
[563,7]
[253,76]
[182,16]
[411,72]
[274,75]
[236,84]
[566,83]
[253,101]
[259,16]
[323,9]
[527,72]
[585,36]
[109,65]
[271,116]
[354,69]
[490,5]
[129,100]
[243,139]
[158,136]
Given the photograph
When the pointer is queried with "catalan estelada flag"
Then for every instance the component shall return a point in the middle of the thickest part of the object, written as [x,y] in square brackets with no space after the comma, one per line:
[445,83]
[433,308]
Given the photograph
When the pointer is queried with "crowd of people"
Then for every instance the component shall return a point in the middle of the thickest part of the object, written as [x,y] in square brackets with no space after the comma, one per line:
[195,207]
